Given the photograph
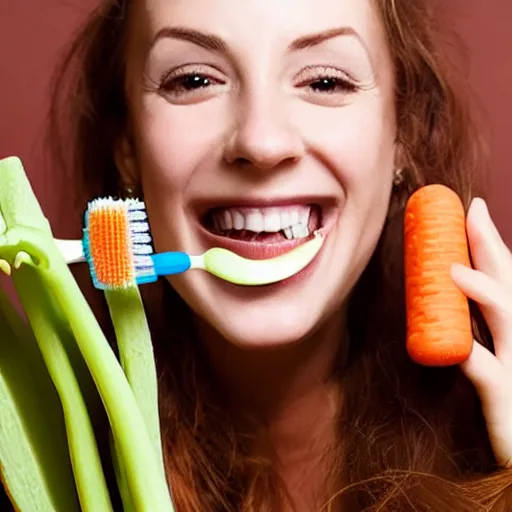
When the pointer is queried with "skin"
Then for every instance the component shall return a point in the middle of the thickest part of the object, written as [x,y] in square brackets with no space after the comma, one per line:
[489,284]
[259,130]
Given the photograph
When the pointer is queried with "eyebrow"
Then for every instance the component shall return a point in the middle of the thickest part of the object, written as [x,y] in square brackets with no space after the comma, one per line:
[315,39]
[207,41]
[216,44]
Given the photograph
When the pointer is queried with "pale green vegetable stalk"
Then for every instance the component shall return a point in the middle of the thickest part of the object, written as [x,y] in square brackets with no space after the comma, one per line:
[147,486]
[136,354]
[122,483]
[35,466]
[137,359]
[51,332]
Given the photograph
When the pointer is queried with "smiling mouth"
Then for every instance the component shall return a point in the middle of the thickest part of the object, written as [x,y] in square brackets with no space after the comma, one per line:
[284,225]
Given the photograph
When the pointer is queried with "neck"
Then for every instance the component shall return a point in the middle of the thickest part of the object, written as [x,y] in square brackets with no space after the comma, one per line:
[292,392]
[271,382]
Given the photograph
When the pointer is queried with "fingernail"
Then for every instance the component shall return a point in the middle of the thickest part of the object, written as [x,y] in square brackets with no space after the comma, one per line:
[482,209]
[481,204]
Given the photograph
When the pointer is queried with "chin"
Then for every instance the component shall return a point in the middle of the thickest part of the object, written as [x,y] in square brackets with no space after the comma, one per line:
[271,316]
[267,327]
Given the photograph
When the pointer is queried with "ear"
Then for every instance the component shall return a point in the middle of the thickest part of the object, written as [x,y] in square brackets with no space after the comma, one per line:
[401,161]
[126,163]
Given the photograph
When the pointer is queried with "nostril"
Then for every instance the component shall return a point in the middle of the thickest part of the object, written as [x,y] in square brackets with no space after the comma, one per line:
[263,164]
[242,162]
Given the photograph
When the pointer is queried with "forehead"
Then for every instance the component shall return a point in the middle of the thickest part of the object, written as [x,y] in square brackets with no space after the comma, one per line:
[260,22]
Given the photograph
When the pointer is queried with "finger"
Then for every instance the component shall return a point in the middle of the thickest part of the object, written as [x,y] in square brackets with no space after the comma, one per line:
[492,384]
[488,250]
[484,370]
[495,302]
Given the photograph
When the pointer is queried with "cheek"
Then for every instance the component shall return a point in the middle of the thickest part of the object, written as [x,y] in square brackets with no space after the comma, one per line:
[355,141]
[357,144]
[171,159]
[174,143]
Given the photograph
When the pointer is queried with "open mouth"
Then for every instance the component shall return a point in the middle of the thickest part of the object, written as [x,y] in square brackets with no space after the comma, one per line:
[267,225]
[264,232]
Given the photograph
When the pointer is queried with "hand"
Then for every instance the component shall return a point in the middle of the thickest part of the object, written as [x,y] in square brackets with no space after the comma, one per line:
[490,285]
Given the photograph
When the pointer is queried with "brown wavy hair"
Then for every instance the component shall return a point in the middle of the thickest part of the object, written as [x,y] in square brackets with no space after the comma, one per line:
[411,438]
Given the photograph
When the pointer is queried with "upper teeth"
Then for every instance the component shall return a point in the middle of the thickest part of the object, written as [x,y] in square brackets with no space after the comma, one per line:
[292,220]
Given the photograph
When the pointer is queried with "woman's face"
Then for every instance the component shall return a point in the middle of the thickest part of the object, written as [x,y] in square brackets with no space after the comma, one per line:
[249,120]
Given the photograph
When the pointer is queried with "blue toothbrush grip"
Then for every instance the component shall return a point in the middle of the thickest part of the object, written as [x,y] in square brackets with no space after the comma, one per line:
[168,263]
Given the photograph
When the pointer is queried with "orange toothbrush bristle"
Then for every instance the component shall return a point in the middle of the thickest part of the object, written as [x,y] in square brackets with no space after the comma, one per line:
[110,246]
[113,230]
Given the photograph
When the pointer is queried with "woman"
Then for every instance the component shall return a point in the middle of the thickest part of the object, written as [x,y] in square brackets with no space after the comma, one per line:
[236,121]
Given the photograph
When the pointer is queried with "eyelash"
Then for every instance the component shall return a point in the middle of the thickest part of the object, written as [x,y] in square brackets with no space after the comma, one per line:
[340,80]
[175,82]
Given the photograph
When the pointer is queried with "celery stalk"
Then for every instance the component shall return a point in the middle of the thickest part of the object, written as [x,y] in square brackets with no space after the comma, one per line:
[144,477]
[136,355]
[18,205]
[50,330]
[137,359]
[51,333]
[34,461]
[145,480]
[122,482]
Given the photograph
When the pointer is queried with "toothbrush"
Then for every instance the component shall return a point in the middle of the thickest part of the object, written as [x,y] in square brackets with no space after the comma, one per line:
[117,245]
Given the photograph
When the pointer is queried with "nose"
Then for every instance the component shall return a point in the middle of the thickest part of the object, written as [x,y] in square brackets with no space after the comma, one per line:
[263,137]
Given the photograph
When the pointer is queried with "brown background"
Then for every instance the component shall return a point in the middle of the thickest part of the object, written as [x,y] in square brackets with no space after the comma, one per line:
[33,31]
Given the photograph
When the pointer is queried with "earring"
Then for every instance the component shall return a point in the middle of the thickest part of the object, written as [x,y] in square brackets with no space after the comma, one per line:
[129,191]
[398,177]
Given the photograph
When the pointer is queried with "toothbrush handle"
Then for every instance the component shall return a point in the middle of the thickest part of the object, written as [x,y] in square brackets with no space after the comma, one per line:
[168,263]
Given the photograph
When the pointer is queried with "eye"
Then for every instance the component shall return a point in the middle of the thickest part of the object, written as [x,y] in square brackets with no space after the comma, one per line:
[186,82]
[190,81]
[329,84]
[326,80]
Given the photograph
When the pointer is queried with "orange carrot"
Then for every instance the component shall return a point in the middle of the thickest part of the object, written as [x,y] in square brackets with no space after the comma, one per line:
[438,319]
